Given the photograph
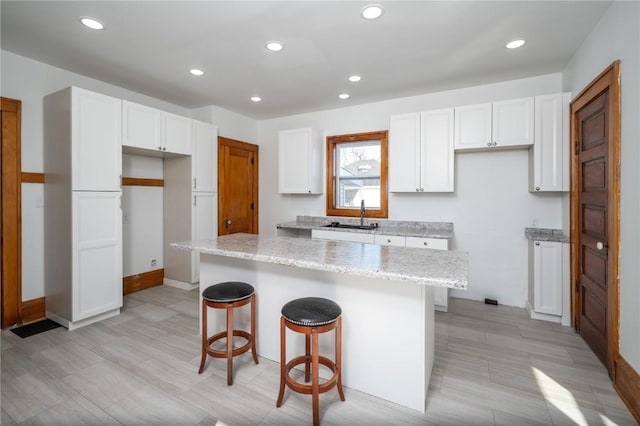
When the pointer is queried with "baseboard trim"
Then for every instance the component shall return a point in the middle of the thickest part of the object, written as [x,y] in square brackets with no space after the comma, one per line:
[33,310]
[142,281]
[627,384]
[181,284]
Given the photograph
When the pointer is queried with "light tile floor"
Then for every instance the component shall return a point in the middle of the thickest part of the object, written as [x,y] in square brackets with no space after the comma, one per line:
[493,366]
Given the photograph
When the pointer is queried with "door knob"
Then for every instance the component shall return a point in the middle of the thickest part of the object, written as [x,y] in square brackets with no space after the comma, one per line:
[227,223]
[600,246]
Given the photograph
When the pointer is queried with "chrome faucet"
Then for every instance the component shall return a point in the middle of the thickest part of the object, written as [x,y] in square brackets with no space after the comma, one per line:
[362,212]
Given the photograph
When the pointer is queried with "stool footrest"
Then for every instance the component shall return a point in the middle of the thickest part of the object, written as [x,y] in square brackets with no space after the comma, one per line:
[223,353]
[307,389]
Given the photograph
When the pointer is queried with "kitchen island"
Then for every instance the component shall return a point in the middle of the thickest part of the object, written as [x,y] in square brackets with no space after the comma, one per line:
[386,296]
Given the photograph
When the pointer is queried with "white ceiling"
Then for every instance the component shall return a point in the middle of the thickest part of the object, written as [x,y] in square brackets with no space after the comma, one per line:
[416,47]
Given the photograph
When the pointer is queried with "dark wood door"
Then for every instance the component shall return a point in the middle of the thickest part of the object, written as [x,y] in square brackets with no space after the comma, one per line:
[10,196]
[238,187]
[594,281]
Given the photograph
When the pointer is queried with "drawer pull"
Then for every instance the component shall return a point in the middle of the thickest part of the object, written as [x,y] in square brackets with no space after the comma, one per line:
[425,243]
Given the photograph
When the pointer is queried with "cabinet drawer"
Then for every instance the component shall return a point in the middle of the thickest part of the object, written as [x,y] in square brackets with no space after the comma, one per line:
[389,240]
[355,237]
[432,243]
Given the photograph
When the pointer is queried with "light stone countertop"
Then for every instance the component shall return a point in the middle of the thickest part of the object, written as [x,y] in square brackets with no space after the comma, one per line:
[442,230]
[546,234]
[438,268]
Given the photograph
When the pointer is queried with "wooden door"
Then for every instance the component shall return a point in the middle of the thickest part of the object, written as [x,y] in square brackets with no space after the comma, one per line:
[595,195]
[238,187]
[10,222]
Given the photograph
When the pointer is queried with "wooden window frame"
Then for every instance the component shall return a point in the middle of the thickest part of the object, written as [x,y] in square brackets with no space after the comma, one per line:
[332,142]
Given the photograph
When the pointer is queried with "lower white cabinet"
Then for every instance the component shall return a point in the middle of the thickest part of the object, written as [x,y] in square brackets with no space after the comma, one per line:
[548,295]
[441,294]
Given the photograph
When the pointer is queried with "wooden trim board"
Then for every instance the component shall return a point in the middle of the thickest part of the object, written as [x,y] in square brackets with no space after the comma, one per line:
[129,181]
[33,310]
[32,177]
[627,384]
[142,281]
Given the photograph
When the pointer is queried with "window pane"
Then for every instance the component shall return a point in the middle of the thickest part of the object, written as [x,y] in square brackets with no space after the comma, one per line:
[358,174]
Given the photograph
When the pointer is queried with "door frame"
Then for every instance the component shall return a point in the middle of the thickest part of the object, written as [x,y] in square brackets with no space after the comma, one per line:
[11,292]
[222,141]
[608,79]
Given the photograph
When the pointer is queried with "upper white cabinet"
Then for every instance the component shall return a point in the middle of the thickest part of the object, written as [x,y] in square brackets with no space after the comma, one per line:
[505,124]
[549,157]
[176,134]
[421,152]
[300,162]
[141,126]
[204,161]
[155,130]
[96,147]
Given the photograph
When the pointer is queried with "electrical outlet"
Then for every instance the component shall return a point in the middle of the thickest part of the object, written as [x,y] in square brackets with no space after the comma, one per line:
[154,262]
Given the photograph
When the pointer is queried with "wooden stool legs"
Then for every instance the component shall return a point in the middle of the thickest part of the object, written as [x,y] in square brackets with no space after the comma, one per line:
[228,334]
[312,361]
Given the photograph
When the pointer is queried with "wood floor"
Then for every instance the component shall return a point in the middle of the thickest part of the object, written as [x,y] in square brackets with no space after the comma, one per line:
[493,366]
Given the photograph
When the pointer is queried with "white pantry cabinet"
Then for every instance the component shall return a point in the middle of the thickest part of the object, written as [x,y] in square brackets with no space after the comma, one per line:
[83,234]
[204,161]
[549,156]
[151,129]
[421,152]
[497,125]
[548,281]
[300,162]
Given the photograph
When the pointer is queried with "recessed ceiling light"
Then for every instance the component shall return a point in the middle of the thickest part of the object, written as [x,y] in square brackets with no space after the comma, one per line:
[274,46]
[515,44]
[372,11]
[94,24]
[256,98]
[354,78]
[343,96]
[196,72]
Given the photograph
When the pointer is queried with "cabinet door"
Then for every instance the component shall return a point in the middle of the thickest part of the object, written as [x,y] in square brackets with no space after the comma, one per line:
[299,162]
[389,240]
[176,134]
[436,153]
[513,123]
[204,160]
[141,126]
[473,126]
[96,141]
[404,153]
[547,277]
[96,253]
[205,225]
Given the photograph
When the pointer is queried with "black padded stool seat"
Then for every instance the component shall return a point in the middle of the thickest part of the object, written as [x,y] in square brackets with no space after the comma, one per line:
[228,292]
[311,311]
[311,316]
[228,296]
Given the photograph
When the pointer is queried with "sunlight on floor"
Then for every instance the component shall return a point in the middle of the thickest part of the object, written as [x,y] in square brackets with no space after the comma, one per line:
[561,398]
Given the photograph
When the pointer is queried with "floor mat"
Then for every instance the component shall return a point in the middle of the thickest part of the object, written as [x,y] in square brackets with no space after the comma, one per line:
[35,328]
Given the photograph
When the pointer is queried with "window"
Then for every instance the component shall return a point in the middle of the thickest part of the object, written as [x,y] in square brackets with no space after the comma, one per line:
[357,171]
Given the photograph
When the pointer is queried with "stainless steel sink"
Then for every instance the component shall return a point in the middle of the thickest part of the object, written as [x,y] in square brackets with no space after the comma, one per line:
[350,226]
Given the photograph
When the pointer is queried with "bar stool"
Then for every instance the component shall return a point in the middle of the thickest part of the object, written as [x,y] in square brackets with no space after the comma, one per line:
[228,295]
[311,316]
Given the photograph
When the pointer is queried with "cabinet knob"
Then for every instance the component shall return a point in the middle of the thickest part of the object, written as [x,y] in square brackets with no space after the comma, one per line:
[417,189]
[388,240]
[495,144]
[421,189]
[489,143]
[309,191]
[164,149]
[537,243]
[160,148]
[425,243]
[537,188]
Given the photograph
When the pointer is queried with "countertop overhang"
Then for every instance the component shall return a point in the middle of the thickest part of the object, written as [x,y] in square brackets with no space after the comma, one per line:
[439,268]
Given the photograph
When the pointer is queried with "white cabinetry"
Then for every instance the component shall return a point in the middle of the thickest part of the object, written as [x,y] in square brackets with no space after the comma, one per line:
[300,162]
[549,156]
[421,152]
[190,204]
[150,129]
[356,237]
[548,281]
[504,124]
[83,234]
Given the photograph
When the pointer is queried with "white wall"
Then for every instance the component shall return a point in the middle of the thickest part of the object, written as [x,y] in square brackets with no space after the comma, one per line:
[491,204]
[230,124]
[617,36]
